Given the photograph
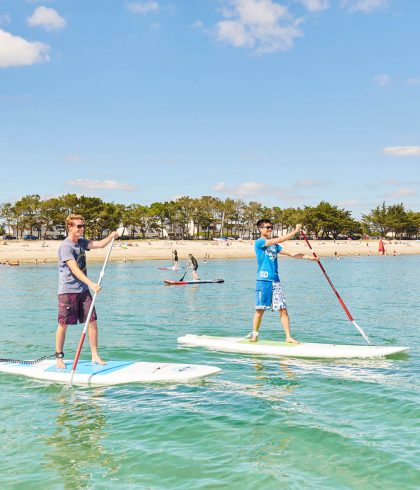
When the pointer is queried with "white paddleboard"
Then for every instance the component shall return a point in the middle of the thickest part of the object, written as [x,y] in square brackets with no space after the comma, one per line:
[282,349]
[113,373]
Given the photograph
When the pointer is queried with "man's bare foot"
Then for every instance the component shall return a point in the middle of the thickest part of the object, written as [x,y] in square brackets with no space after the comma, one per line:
[60,364]
[98,360]
[291,340]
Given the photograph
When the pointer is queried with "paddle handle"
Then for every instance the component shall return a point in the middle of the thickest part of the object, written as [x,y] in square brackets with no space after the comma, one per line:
[346,310]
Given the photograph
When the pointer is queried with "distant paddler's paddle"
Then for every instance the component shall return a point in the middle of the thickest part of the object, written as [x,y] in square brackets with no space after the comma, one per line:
[360,329]
[182,278]
[82,337]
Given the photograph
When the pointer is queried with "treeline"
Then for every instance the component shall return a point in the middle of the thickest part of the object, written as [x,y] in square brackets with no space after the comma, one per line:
[204,217]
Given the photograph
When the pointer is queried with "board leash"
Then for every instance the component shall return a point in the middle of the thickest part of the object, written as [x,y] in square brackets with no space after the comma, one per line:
[26,363]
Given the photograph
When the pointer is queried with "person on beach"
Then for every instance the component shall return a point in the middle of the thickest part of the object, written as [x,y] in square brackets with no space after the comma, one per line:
[175,259]
[194,264]
[74,298]
[269,293]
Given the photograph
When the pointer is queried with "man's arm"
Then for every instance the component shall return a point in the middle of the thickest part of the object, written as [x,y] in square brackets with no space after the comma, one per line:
[296,255]
[102,243]
[72,264]
[283,238]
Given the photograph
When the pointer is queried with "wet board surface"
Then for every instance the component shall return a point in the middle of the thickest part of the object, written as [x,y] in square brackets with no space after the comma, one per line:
[113,373]
[283,349]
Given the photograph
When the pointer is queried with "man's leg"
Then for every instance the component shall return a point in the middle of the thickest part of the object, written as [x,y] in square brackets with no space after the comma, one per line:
[256,324]
[284,318]
[195,275]
[93,341]
[60,337]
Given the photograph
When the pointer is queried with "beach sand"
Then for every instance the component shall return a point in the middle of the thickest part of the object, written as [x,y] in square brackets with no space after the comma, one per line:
[17,252]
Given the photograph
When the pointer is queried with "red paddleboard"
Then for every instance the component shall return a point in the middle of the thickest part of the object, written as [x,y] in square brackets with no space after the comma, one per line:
[184,283]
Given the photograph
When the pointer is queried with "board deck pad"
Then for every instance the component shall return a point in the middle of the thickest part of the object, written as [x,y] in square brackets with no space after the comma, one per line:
[282,349]
[112,373]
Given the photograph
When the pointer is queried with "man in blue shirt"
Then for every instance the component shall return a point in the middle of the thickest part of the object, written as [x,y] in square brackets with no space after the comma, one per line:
[269,293]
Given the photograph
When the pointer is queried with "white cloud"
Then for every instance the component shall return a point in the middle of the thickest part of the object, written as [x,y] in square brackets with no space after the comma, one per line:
[264,25]
[315,5]
[413,81]
[17,51]
[143,7]
[392,182]
[382,80]
[402,151]
[363,5]
[254,190]
[305,183]
[350,203]
[47,18]
[89,184]
[5,19]
[401,193]
[250,189]
[198,24]
[220,186]
[73,157]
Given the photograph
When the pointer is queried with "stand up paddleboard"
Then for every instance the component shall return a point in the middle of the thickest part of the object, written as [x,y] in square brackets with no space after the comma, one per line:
[184,283]
[283,349]
[168,268]
[113,373]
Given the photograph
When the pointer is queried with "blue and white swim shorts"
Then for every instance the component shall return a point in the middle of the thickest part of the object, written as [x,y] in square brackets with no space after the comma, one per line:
[269,296]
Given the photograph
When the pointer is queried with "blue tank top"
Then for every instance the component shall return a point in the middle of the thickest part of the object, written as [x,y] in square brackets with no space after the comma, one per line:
[267,261]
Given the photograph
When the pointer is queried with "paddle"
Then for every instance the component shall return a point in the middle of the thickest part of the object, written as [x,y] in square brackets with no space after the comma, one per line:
[360,329]
[82,338]
[182,278]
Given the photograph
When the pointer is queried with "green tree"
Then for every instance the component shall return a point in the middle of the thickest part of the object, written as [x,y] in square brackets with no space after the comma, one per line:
[7,213]
[28,213]
[326,220]
[184,207]
[376,221]
[53,215]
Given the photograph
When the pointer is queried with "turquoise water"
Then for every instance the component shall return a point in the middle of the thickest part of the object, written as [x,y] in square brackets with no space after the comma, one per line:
[261,423]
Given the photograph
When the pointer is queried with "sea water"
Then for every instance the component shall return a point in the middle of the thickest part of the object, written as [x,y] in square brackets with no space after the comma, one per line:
[261,423]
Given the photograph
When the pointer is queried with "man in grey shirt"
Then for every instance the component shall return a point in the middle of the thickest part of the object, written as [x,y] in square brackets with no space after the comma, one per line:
[74,298]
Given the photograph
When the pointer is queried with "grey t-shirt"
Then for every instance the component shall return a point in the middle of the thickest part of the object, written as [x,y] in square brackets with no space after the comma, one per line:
[67,281]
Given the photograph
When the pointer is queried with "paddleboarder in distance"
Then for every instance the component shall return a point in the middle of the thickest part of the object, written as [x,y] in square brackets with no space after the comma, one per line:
[194,264]
[175,259]
[269,293]
[74,298]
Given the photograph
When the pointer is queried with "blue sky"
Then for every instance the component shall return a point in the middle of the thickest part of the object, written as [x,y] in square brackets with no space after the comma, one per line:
[284,102]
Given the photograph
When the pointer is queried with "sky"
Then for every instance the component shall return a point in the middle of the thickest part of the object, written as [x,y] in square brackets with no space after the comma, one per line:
[284,102]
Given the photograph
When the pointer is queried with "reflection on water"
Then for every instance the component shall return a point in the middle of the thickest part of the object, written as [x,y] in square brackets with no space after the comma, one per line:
[78,453]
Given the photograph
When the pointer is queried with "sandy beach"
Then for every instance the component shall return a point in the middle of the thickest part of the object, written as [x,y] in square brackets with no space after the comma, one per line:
[17,252]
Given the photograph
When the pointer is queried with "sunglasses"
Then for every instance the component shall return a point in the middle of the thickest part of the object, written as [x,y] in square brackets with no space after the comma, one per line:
[80,226]
[267,227]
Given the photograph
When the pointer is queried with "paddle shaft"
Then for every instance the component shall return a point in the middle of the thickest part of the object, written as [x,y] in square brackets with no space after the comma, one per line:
[349,316]
[82,337]
[182,278]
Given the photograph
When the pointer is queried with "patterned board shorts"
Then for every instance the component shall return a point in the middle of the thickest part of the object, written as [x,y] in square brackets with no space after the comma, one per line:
[269,296]
[74,307]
